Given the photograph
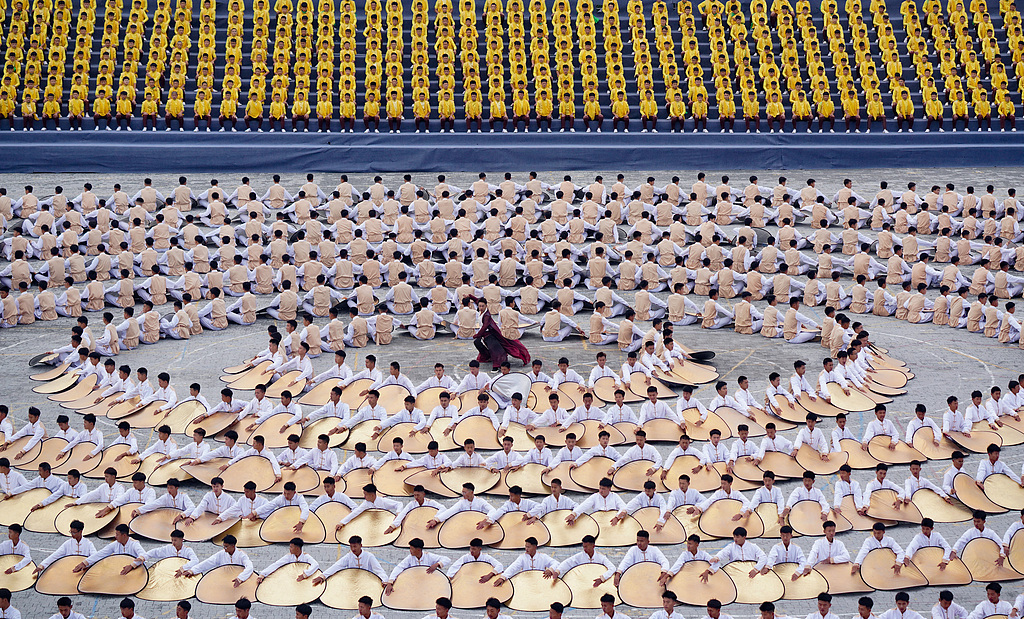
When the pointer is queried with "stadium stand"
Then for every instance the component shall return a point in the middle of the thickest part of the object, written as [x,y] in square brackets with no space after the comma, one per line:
[394,65]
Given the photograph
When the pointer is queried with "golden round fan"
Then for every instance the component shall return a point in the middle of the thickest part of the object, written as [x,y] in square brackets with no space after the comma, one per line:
[331,513]
[604,390]
[977,442]
[782,464]
[92,406]
[858,458]
[41,520]
[47,452]
[289,381]
[430,482]
[124,467]
[369,525]
[344,588]
[123,516]
[769,514]
[62,382]
[809,459]
[392,398]
[415,525]
[859,522]
[536,400]
[155,525]
[790,414]
[521,440]
[214,424]
[163,586]
[311,433]
[968,492]
[390,481]
[875,396]
[877,571]
[930,503]
[639,586]
[735,419]
[689,522]
[580,581]
[531,592]
[527,477]
[16,509]
[1004,492]
[893,379]
[238,369]
[593,428]
[203,529]
[104,577]
[118,409]
[1016,553]
[840,580]
[704,480]
[1008,434]
[75,459]
[148,416]
[20,580]
[738,484]
[690,373]
[246,531]
[980,555]
[818,406]
[457,531]
[85,512]
[717,520]
[555,436]
[480,429]
[24,462]
[428,399]
[671,533]
[803,588]
[279,526]
[689,588]
[745,469]
[271,432]
[696,432]
[562,473]
[481,478]
[924,442]
[413,442]
[356,480]
[415,589]
[662,431]
[468,400]
[307,481]
[469,592]
[158,473]
[562,534]
[570,395]
[883,507]
[206,471]
[58,577]
[250,468]
[589,474]
[515,531]
[250,379]
[51,373]
[761,588]
[350,393]
[83,388]
[633,475]
[216,586]
[622,533]
[852,403]
[282,587]
[628,431]
[928,559]
[805,518]
[319,394]
[361,433]
[878,447]
[179,417]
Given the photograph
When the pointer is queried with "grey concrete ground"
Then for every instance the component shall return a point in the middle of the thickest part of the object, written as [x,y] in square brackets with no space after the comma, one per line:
[946,362]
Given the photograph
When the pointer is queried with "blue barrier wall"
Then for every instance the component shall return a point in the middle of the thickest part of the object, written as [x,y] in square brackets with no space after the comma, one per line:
[89,151]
